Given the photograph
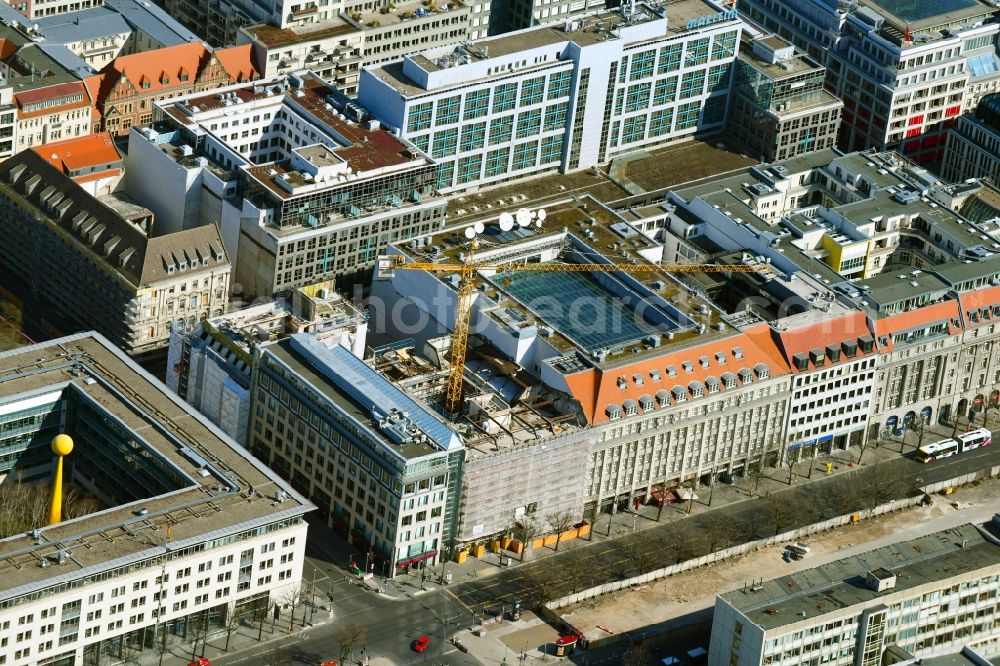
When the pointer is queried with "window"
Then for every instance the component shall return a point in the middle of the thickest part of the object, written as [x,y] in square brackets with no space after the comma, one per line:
[718,77]
[446,112]
[501,130]
[473,137]
[497,162]
[642,65]
[524,155]
[529,123]
[555,117]
[469,168]
[634,129]
[477,104]
[446,172]
[531,91]
[724,46]
[637,97]
[551,149]
[559,85]
[692,84]
[670,58]
[665,92]
[445,142]
[660,121]
[420,118]
[504,97]
[696,53]
[687,115]
[715,110]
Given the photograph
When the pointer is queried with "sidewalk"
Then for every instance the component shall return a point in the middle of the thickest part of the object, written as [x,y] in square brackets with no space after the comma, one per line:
[627,522]
[179,650]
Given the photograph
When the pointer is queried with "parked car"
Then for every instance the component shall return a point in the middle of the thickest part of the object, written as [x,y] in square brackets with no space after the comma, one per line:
[421,644]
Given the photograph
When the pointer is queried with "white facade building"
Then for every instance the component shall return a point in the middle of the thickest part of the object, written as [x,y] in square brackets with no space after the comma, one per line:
[928,596]
[192,529]
[560,98]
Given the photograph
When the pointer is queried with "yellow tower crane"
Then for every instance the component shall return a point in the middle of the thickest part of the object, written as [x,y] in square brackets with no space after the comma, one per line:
[468,268]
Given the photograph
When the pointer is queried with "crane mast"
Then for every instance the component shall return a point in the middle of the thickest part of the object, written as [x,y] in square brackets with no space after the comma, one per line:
[469,268]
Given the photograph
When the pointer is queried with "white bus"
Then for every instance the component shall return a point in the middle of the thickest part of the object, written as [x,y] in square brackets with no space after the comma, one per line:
[974,439]
[949,447]
[931,452]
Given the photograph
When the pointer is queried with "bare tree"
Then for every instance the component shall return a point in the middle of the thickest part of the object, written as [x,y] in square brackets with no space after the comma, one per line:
[864,444]
[524,531]
[260,614]
[350,637]
[576,572]
[780,513]
[662,500]
[198,628]
[160,642]
[636,554]
[720,531]
[129,653]
[230,625]
[636,655]
[293,598]
[790,462]
[560,522]
[591,514]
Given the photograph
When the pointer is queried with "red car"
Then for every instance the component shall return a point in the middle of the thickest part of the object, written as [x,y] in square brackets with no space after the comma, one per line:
[421,644]
[200,662]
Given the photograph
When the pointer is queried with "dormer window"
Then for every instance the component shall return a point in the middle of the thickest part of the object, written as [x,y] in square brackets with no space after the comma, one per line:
[738,353]
[680,393]
[729,380]
[638,379]
[145,84]
[703,361]
[654,375]
[663,397]
[646,402]
[614,411]
[631,407]
[688,366]
[697,389]
[712,384]
[164,79]
[763,372]
[622,383]
[746,376]
[671,371]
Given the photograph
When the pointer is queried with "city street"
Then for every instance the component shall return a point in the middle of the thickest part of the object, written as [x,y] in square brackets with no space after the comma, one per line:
[395,618]
[580,568]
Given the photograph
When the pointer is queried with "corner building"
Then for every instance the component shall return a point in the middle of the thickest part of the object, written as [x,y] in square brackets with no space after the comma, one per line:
[560,98]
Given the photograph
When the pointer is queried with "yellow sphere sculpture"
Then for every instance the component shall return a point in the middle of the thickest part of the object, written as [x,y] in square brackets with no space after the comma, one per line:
[62,445]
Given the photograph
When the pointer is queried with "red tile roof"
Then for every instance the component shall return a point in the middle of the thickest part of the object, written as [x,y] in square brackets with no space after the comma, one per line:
[85,151]
[597,388]
[160,68]
[832,330]
[36,95]
[238,63]
[929,314]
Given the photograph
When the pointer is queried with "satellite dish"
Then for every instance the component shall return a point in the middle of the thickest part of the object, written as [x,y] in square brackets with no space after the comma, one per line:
[541,214]
[478,226]
[523,217]
[506,221]
[470,233]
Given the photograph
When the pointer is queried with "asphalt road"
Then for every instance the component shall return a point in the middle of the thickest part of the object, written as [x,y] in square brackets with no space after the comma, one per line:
[392,626]
[685,537]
